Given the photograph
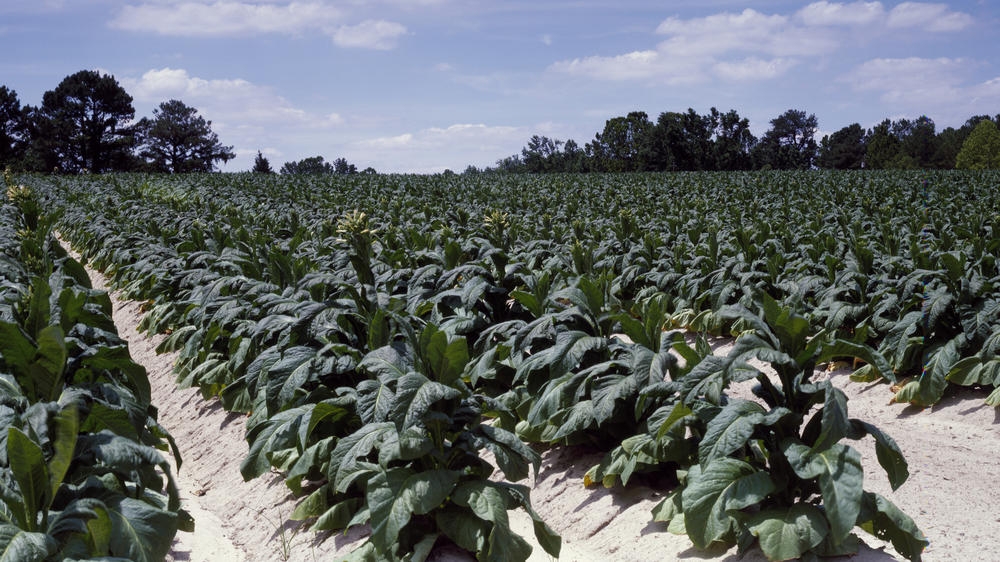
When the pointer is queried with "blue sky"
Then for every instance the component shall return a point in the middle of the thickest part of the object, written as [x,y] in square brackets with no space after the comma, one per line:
[424,85]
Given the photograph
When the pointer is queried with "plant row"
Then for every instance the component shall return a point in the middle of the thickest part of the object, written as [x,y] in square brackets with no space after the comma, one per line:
[81,470]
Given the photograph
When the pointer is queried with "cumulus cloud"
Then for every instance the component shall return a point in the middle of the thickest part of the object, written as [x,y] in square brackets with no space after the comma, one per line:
[725,45]
[749,31]
[929,17]
[369,34]
[752,45]
[912,74]
[752,68]
[225,18]
[233,18]
[224,100]
[247,115]
[635,65]
[398,141]
[836,13]
[927,85]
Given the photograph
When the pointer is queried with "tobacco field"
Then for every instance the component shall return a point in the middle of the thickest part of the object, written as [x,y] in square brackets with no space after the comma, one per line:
[403,346]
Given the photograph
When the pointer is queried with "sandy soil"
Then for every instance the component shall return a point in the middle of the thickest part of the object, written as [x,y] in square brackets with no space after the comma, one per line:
[953,452]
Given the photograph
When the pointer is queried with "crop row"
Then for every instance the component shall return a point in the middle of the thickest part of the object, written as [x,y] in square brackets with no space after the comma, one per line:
[81,475]
[384,332]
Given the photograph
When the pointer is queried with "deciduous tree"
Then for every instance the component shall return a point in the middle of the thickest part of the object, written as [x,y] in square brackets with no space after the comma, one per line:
[789,144]
[843,150]
[312,165]
[981,150]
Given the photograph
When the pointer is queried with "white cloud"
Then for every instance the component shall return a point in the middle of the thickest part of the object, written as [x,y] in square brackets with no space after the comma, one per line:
[747,32]
[223,100]
[369,34]
[225,18]
[228,18]
[388,142]
[546,39]
[935,86]
[913,74]
[753,68]
[930,17]
[443,67]
[436,148]
[751,45]
[246,115]
[637,65]
[725,45]
[836,13]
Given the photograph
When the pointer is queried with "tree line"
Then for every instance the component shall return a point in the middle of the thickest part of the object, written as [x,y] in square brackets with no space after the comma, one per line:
[87,123]
[723,141]
[314,165]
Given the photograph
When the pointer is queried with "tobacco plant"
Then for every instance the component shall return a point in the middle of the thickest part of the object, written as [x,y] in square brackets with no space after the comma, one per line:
[776,471]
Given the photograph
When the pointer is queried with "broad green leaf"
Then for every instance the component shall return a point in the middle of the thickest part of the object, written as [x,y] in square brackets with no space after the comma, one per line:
[489,504]
[27,464]
[886,450]
[63,444]
[16,349]
[844,348]
[49,363]
[18,545]
[840,475]
[415,395]
[785,534]
[396,494]
[140,532]
[339,516]
[835,424]
[729,430]
[884,520]
[468,532]
[512,455]
[350,450]
[927,389]
[713,491]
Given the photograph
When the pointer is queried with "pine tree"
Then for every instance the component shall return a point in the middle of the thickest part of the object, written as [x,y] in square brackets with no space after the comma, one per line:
[261,165]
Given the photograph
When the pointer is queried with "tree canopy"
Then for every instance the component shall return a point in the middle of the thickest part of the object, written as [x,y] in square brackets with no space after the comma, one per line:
[789,144]
[312,165]
[83,124]
[843,150]
[13,128]
[261,164]
[177,139]
[981,150]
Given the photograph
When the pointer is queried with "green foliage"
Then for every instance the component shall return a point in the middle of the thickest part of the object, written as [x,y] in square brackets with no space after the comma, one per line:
[14,129]
[81,475]
[313,165]
[843,150]
[177,140]
[782,465]
[261,165]
[83,124]
[789,144]
[385,333]
[981,150]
